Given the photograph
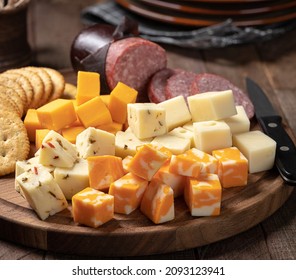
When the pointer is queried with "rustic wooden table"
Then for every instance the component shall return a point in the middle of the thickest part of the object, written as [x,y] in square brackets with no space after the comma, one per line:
[52,27]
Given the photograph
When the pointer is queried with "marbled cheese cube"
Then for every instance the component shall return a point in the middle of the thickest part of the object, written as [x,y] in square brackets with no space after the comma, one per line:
[177,112]
[210,106]
[146,119]
[57,151]
[185,166]
[233,167]
[212,135]
[258,148]
[92,208]
[72,180]
[183,133]
[128,192]
[125,163]
[158,202]
[240,122]
[42,192]
[95,142]
[203,195]
[147,161]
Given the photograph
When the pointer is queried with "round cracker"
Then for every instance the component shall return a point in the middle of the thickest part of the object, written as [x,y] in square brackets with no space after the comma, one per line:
[8,104]
[14,142]
[70,91]
[58,81]
[11,93]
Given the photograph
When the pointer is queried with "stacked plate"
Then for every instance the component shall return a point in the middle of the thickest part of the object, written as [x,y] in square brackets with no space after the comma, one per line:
[200,13]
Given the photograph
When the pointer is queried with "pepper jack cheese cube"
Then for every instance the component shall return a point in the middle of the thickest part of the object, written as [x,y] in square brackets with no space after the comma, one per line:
[57,151]
[185,166]
[104,170]
[146,119]
[57,114]
[210,106]
[72,180]
[177,112]
[120,96]
[128,192]
[95,142]
[92,208]
[32,123]
[88,86]
[203,195]
[147,161]
[240,122]
[258,148]
[158,202]
[211,135]
[233,167]
[42,192]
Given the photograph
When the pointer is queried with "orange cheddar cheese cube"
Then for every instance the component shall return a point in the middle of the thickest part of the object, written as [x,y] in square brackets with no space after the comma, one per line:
[120,96]
[88,86]
[203,195]
[147,161]
[105,98]
[93,113]
[70,133]
[185,166]
[104,170]
[92,207]
[40,135]
[32,123]
[175,181]
[158,202]
[112,127]
[57,114]
[233,167]
[128,192]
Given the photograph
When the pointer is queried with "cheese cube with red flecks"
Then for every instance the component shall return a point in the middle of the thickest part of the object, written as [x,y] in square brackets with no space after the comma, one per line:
[92,208]
[128,192]
[158,202]
[185,166]
[203,195]
[233,167]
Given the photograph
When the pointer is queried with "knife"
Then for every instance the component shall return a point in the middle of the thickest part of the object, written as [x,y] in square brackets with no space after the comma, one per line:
[271,123]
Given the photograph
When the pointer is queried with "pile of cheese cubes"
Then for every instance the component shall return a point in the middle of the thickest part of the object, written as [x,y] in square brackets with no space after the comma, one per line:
[171,149]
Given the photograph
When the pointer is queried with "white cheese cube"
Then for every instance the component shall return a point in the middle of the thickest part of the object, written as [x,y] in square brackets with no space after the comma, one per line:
[57,151]
[72,180]
[175,144]
[95,142]
[258,148]
[126,143]
[42,192]
[214,105]
[183,133]
[177,112]
[212,135]
[146,119]
[188,126]
[240,122]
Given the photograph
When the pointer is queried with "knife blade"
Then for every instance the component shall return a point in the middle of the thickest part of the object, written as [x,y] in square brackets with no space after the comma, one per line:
[271,123]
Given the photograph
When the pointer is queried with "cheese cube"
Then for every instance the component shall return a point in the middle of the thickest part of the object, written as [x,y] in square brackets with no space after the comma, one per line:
[42,192]
[125,163]
[32,123]
[177,112]
[57,114]
[128,192]
[104,170]
[72,180]
[188,126]
[57,151]
[240,122]
[126,143]
[203,195]
[39,137]
[185,166]
[92,208]
[106,99]
[111,127]
[147,161]
[95,142]
[93,112]
[120,96]
[146,120]
[233,167]
[212,135]
[70,133]
[175,181]
[158,202]
[258,148]
[88,86]
[210,106]
[183,133]
[175,144]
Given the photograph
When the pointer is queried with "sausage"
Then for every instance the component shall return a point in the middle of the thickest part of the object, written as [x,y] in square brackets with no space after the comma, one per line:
[205,82]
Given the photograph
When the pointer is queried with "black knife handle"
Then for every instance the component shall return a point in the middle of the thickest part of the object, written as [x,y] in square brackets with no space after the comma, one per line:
[285,149]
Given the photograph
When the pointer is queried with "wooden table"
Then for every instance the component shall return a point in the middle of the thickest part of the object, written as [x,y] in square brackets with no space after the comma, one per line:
[52,27]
